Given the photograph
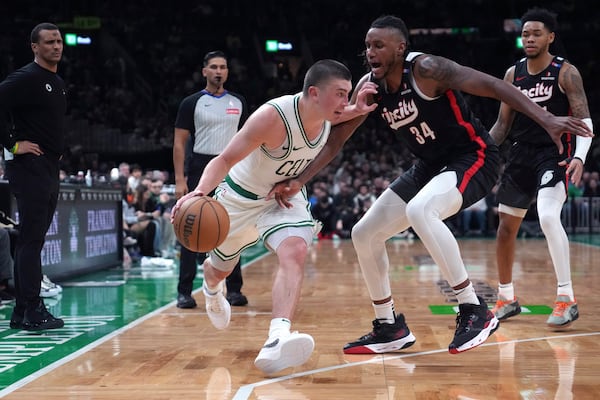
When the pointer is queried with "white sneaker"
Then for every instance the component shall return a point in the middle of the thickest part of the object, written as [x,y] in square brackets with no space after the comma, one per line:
[218,308]
[51,284]
[49,288]
[157,262]
[283,352]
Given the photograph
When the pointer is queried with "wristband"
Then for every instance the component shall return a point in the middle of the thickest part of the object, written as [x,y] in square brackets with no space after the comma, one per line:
[15,148]
[582,144]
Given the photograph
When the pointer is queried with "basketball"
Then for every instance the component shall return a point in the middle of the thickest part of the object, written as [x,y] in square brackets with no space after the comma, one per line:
[201,224]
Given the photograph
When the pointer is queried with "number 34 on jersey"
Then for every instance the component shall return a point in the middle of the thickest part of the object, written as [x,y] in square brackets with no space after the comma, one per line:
[421,132]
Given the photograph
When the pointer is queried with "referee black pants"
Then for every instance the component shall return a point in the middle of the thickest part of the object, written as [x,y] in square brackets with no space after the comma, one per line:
[188,260]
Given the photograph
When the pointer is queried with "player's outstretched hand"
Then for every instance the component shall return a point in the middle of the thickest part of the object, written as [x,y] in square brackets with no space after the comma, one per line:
[557,126]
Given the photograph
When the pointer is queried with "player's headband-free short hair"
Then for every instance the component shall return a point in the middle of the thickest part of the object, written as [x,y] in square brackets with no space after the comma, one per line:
[546,17]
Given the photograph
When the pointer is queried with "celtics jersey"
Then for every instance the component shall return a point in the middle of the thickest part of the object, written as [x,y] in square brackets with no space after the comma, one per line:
[543,89]
[255,175]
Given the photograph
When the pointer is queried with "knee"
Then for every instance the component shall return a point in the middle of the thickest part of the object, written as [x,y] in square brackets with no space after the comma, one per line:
[294,251]
[415,213]
[357,232]
[548,221]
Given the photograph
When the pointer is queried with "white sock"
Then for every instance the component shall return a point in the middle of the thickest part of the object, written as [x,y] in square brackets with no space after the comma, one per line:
[506,291]
[279,326]
[565,289]
[466,295]
[211,291]
[385,312]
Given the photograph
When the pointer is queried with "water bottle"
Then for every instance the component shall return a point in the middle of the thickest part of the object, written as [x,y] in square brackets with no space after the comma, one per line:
[88,178]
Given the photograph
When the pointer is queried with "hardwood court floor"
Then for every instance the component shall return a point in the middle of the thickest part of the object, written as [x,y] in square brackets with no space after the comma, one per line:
[177,354]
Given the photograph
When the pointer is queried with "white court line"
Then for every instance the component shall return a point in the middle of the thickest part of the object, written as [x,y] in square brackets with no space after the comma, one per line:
[51,367]
[245,391]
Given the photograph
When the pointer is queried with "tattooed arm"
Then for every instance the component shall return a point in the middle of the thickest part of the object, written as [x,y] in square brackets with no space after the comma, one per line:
[570,81]
[435,75]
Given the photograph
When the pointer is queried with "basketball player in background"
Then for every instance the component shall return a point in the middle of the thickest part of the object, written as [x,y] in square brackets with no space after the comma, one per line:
[277,142]
[419,98]
[535,165]
[206,122]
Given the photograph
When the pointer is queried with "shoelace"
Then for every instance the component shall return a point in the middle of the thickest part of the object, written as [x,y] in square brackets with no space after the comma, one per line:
[501,303]
[376,328]
[463,323]
[560,307]
[215,305]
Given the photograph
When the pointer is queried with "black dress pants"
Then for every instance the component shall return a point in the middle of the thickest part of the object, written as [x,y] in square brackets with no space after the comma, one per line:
[34,181]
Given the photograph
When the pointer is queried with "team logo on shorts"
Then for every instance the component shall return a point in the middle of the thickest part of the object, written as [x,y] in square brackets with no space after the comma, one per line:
[547,177]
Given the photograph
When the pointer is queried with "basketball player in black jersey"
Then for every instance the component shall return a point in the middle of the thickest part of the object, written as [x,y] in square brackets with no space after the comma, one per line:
[34,98]
[534,164]
[418,97]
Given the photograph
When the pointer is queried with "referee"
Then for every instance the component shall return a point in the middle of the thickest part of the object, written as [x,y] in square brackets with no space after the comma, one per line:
[206,120]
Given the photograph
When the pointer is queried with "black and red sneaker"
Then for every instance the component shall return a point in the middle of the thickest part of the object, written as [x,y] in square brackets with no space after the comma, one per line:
[474,324]
[383,339]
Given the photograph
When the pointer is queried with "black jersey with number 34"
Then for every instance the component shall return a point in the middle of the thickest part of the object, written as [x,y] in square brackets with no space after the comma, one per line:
[434,129]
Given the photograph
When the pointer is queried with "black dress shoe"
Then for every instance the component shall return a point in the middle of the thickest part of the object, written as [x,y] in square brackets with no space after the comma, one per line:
[236,299]
[16,321]
[185,301]
[39,319]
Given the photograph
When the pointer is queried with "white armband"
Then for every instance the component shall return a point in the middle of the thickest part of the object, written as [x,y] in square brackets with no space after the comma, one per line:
[582,144]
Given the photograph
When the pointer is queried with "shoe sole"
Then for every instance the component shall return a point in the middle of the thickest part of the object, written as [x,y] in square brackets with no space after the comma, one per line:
[479,339]
[379,348]
[238,303]
[43,327]
[292,353]
[514,312]
[187,305]
[565,325]
[46,294]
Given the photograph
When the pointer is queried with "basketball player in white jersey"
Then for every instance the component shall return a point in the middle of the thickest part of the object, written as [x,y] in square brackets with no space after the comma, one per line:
[275,144]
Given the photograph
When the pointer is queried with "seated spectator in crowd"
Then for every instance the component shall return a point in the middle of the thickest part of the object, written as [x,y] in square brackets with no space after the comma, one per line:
[318,189]
[325,212]
[135,176]
[160,204]
[347,210]
[364,198]
[141,224]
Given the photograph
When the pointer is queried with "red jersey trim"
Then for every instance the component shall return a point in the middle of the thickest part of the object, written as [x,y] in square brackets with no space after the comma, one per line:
[469,173]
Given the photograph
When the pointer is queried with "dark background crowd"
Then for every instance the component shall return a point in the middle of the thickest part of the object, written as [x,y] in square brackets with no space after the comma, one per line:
[145,57]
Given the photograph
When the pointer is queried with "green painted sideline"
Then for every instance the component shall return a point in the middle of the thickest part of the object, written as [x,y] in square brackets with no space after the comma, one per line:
[529,309]
[92,306]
